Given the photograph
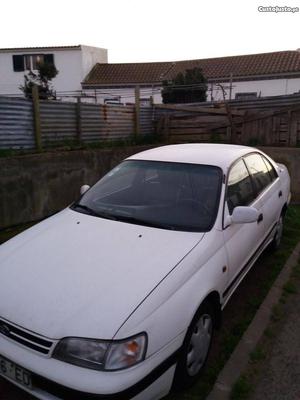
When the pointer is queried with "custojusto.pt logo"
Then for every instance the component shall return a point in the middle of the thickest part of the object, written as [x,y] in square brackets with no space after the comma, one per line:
[278,9]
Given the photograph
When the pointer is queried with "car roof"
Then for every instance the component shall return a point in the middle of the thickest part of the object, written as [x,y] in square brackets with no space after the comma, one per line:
[221,155]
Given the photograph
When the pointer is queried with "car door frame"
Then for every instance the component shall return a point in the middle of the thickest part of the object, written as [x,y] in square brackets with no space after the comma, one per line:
[239,272]
[270,198]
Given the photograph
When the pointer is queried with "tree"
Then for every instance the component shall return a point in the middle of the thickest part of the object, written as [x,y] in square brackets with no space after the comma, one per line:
[187,87]
[42,79]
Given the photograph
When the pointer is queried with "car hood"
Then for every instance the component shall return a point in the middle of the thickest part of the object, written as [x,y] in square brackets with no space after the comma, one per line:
[79,275]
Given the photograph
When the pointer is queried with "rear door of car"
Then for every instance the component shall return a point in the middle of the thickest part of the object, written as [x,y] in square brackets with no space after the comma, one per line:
[268,190]
[242,241]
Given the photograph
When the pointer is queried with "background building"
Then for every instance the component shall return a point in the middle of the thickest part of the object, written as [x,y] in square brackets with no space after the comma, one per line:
[72,62]
[234,77]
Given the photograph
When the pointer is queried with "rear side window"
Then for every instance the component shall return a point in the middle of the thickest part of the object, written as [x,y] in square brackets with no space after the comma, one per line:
[259,172]
[240,189]
[271,169]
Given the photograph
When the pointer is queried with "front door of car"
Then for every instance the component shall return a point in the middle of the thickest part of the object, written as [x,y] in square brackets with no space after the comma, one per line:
[242,241]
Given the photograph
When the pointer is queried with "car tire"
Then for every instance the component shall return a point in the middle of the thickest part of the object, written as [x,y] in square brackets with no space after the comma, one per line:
[195,347]
[275,244]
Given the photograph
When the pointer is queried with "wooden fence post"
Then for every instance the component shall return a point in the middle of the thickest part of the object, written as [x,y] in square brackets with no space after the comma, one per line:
[232,125]
[292,129]
[167,128]
[36,118]
[78,120]
[137,112]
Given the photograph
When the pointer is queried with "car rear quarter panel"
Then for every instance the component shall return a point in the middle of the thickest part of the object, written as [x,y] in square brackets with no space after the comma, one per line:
[285,181]
[284,178]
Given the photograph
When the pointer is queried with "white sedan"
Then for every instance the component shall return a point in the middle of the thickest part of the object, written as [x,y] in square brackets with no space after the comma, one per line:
[117,296]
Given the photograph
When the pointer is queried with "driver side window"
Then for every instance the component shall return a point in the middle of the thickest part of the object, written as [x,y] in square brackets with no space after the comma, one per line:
[239,188]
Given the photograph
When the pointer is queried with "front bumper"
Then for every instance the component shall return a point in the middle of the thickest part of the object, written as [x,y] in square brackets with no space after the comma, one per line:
[53,379]
[155,386]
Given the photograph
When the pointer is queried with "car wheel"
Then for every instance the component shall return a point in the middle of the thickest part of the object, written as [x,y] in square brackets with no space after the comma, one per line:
[195,348]
[278,234]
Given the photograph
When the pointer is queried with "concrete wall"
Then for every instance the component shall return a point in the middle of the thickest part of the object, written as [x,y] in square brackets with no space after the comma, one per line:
[35,186]
[291,158]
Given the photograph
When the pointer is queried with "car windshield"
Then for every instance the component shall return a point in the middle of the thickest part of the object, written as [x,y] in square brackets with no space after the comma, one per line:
[165,195]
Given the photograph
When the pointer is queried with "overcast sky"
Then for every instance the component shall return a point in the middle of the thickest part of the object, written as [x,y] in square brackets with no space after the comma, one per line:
[152,30]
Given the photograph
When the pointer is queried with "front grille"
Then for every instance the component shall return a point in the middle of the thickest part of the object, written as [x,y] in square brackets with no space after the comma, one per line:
[27,339]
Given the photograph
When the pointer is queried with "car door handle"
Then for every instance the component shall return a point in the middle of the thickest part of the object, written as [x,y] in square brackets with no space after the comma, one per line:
[260,218]
[280,193]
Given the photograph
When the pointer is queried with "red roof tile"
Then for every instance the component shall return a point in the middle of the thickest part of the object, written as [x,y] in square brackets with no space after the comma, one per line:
[282,62]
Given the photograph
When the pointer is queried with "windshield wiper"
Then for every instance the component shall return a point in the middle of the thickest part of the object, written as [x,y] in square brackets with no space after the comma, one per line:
[87,209]
[139,221]
[122,218]
[90,211]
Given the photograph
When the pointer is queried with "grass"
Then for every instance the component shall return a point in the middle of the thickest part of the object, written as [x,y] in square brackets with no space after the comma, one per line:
[258,354]
[13,152]
[290,288]
[241,389]
[68,145]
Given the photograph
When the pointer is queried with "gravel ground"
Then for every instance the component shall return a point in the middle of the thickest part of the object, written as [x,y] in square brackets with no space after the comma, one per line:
[279,378]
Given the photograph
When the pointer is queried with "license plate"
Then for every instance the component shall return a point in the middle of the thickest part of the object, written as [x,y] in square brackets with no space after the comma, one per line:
[15,372]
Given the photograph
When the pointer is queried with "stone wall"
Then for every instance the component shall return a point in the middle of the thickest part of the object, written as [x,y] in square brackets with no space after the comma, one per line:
[35,186]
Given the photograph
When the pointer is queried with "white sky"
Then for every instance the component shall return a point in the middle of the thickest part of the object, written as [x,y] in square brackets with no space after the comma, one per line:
[152,30]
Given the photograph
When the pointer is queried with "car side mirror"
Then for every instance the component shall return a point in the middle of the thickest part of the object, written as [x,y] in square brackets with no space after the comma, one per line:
[244,215]
[84,189]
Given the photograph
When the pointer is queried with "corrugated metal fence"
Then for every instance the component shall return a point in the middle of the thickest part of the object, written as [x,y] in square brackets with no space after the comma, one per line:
[63,122]
[106,122]
[16,123]
[273,120]
[58,122]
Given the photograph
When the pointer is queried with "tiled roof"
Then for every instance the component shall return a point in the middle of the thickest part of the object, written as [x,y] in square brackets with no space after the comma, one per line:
[277,63]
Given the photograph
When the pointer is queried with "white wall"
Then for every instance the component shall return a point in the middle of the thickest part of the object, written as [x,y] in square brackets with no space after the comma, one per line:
[263,88]
[91,56]
[9,80]
[126,95]
[69,65]
[72,64]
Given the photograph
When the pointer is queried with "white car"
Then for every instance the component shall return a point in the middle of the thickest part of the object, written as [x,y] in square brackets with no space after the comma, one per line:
[117,296]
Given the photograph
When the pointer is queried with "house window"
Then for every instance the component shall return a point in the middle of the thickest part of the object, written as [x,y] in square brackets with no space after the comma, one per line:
[29,62]
[246,96]
[36,60]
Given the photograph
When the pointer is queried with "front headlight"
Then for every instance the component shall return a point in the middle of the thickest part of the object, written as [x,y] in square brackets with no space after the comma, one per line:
[102,354]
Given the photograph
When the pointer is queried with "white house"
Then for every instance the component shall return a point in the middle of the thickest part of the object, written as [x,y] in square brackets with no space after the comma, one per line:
[85,70]
[234,77]
[72,62]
